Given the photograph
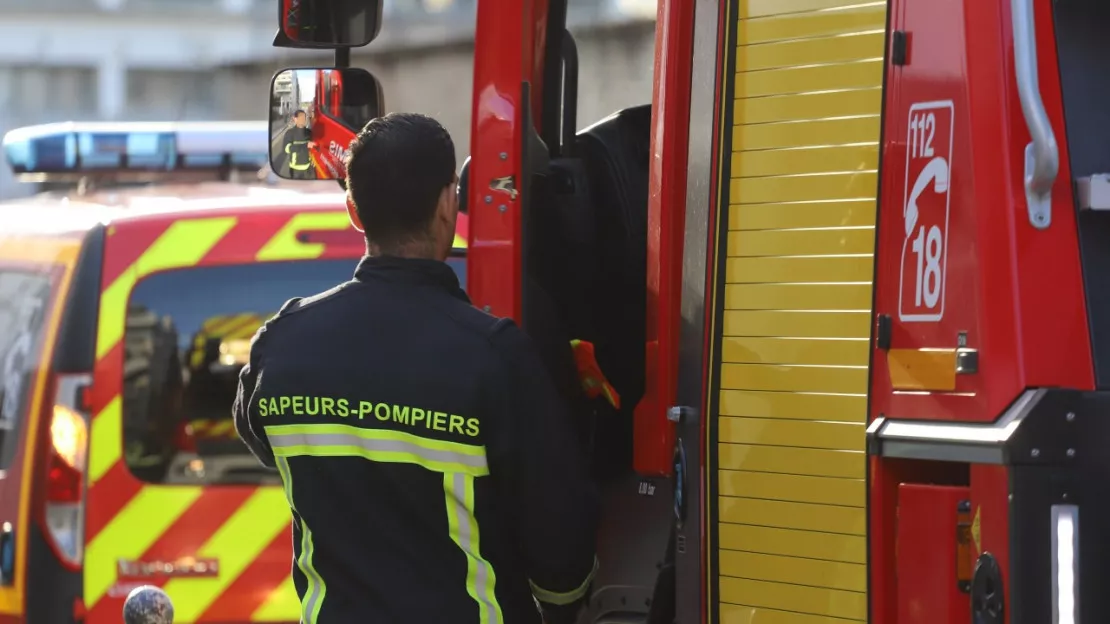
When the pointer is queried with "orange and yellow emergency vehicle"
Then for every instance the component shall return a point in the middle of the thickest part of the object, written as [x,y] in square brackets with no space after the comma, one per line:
[849,272]
[127,302]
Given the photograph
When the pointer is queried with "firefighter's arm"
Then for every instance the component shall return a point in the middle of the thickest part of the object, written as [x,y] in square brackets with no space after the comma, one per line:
[537,459]
[243,410]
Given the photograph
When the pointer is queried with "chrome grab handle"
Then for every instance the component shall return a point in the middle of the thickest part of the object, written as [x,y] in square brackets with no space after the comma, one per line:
[1042,156]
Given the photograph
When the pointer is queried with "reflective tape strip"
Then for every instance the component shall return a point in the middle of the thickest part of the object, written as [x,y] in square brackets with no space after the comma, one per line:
[238,542]
[286,246]
[133,530]
[106,441]
[183,244]
[480,577]
[564,598]
[377,445]
[222,428]
[315,592]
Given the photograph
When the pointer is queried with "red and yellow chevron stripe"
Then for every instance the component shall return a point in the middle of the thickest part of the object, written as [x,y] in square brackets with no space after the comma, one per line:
[245,528]
[213,429]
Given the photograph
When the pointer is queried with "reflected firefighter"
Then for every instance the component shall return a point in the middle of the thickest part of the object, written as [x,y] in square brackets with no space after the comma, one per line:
[298,146]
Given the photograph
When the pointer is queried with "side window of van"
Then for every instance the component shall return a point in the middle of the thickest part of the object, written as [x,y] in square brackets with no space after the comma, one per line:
[187,336]
[24,297]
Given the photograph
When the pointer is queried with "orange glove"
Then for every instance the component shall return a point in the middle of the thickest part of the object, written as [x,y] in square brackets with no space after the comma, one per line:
[594,383]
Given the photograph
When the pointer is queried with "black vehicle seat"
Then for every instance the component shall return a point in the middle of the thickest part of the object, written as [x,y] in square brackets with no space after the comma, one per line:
[616,152]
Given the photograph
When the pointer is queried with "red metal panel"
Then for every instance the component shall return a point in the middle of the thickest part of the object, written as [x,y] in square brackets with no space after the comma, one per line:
[990,511]
[886,477]
[508,50]
[1052,321]
[653,434]
[882,509]
[926,569]
[967,261]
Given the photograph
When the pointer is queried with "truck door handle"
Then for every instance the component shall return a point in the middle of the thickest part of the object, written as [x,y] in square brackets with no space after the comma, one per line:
[1042,155]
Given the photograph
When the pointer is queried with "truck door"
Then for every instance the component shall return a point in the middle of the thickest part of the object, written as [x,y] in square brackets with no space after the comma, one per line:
[31,278]
[787,468]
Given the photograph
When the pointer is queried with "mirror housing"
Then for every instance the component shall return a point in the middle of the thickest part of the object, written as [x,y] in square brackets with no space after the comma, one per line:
[328,23]
[315,113]
[464,186]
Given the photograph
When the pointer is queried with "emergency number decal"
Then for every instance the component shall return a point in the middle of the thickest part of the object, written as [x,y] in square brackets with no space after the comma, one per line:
[925,210]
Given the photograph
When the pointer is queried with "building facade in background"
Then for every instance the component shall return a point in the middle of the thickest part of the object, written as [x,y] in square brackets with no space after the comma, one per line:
[140,60]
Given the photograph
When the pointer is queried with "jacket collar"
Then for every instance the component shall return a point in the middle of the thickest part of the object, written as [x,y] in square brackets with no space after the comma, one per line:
[414,271]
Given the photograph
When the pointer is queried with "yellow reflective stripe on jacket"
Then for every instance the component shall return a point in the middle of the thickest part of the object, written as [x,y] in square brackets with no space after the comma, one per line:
[293,164]
[459,463]
[314,595]
[328,440]
[564,598]
[480,577]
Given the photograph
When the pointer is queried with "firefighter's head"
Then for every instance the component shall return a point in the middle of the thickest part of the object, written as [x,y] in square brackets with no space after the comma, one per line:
[299,118]
[401,186]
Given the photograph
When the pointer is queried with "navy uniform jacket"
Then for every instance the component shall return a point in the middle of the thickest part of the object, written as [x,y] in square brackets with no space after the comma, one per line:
[429,462]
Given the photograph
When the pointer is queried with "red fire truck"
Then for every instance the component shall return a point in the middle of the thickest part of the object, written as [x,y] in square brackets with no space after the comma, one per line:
[825,422]
[331,130]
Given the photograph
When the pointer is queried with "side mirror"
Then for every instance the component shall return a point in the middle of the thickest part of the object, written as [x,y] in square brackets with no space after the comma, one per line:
[315,113]
[328,23]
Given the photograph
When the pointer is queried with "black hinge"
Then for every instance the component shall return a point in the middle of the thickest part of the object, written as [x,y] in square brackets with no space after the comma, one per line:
[883,327]
[898,47]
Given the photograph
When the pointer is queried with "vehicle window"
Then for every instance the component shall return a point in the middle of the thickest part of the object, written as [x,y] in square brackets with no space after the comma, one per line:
[187,336]
[24,301]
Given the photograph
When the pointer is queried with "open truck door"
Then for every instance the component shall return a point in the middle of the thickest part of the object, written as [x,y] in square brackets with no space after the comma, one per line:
[847,274]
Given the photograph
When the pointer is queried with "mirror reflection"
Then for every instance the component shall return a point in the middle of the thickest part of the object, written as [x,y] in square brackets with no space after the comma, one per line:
[327,23]
[314,114]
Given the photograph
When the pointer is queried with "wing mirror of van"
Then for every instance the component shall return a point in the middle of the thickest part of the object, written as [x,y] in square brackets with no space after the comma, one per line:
[315,113]
[328,23]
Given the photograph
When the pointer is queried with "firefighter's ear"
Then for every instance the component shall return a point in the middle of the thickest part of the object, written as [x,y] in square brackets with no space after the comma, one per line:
[451,196]
[447,209]
[352,214]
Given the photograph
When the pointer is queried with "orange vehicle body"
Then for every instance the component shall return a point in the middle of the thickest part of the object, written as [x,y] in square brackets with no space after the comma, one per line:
[222,551]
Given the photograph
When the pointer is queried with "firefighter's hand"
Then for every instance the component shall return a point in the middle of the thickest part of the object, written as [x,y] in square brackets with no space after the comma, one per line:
[311,145]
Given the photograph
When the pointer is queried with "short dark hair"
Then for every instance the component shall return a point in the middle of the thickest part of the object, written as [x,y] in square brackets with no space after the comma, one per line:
[397,168]
[298,113]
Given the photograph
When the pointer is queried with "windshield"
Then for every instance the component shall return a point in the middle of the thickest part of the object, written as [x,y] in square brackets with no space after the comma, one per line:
[188,334]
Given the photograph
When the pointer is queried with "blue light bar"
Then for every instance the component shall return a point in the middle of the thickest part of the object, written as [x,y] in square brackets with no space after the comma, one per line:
[98,147]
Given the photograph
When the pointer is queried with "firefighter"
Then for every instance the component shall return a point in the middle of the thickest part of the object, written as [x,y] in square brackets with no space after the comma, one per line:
[298,140]
[429,461]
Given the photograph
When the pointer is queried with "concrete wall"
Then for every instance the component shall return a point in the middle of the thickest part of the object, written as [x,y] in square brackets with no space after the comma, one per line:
[432,78]
[615,72]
